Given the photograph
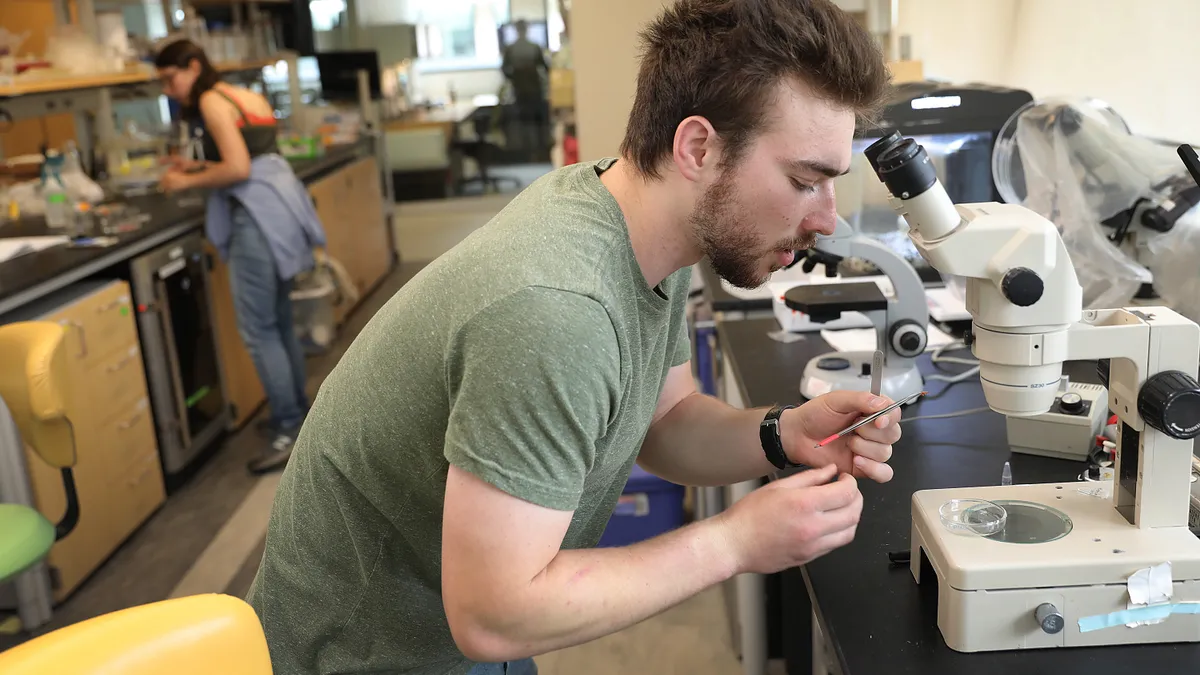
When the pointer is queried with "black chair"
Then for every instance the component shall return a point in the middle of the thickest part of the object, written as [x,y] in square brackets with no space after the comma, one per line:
[484,152]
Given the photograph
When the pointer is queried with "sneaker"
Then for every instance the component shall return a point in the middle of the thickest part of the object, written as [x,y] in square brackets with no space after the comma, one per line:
[268,429]
[275,457]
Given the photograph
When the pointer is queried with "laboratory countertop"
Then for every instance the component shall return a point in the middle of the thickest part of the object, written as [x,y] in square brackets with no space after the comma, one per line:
[33,275]
[875,616]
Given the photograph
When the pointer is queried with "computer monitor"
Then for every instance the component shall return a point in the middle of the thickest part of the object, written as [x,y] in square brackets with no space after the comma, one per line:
[339,73]
[537,34]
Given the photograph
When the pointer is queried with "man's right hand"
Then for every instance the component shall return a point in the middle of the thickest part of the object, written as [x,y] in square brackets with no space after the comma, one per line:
[792,521]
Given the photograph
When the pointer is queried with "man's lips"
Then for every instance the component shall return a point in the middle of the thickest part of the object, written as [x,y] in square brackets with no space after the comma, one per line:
[785,258]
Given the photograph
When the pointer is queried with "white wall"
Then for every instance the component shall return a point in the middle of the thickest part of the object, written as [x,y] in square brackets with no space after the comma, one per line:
[532,10]
[1140,57]
[959,40]
[604,45]
[1137,56]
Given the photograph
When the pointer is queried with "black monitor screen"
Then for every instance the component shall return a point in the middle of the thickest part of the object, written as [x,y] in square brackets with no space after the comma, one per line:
[339,73]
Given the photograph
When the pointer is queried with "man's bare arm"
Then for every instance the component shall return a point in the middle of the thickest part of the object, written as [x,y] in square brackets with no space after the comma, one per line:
[700,440]
[509,591]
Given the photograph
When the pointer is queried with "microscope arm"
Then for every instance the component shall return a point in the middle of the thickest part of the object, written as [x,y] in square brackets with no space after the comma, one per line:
[909,293]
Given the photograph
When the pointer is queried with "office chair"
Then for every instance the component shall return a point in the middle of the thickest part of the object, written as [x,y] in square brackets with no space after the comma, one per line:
[33,411]
[192,635]
[483,151]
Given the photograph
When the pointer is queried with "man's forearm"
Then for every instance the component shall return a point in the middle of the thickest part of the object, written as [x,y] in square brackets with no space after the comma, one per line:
[704,441]
[588,593]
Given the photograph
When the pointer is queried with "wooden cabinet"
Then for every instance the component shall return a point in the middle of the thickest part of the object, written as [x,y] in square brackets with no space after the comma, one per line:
[118,474]
[350,205]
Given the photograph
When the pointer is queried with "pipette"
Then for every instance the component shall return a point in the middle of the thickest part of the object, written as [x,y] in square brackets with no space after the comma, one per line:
[870,418]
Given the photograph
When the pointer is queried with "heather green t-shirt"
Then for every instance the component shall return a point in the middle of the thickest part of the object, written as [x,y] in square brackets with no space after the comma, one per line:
[532,356]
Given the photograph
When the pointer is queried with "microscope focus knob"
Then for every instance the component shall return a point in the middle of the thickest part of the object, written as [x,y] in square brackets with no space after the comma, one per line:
[1170,402]
[1049,618]
[908,338]
[1022,286]
[1071,403]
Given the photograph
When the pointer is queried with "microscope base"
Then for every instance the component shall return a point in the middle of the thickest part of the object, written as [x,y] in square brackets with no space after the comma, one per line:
[851,371]
[989,590]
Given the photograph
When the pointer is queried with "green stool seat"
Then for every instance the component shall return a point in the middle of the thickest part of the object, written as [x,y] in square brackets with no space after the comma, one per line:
[25,538]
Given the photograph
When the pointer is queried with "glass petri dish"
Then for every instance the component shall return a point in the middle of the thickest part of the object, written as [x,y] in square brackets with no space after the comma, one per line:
[1032,523]
[973,516]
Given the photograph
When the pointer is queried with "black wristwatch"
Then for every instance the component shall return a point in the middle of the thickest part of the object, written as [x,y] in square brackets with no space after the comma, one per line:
[772,444]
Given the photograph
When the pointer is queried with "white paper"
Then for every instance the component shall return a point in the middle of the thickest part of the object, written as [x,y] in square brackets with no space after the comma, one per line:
[1149,586]
[11,247]
[863,339]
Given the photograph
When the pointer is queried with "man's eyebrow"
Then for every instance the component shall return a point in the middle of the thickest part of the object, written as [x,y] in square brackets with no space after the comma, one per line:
[816,167]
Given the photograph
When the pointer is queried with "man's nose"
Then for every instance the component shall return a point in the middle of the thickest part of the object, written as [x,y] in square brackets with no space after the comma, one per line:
[824,218]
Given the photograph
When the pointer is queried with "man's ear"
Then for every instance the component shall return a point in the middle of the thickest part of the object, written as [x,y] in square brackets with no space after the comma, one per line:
[696,151]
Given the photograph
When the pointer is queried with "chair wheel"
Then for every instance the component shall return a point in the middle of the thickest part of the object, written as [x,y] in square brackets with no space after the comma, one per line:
[11,625]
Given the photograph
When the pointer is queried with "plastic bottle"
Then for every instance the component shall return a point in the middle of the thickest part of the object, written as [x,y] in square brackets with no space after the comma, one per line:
[58,204]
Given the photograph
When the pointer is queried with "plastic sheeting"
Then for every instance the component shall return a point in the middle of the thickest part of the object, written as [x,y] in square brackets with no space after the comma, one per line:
[1078,165]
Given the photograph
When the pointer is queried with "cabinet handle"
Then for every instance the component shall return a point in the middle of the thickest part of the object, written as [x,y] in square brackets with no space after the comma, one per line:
[134,482]
[114,367]
[83,350]
[127,424]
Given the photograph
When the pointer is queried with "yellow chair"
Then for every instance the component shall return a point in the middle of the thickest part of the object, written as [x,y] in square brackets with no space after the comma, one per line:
[33,411]
[192,635]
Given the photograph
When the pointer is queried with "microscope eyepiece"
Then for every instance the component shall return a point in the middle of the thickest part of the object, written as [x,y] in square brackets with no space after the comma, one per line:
[879,147]
[902,165]
[905,169]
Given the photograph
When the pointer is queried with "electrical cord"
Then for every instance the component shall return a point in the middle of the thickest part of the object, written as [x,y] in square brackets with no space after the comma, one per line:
[939,360]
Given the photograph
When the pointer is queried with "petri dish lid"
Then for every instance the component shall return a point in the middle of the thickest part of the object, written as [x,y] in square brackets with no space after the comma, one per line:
[973,516]
[1008,172]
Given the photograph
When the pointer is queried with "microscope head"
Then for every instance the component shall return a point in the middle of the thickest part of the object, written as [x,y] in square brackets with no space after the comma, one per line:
[1022,292]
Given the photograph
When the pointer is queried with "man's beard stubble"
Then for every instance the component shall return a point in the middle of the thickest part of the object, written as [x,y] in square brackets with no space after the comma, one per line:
[731,246]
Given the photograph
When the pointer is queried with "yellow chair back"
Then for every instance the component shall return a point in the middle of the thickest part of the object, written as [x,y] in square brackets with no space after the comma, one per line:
[193,635]
[33,384]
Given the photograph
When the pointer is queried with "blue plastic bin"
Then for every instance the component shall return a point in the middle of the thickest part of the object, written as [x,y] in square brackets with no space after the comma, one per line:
[648,507]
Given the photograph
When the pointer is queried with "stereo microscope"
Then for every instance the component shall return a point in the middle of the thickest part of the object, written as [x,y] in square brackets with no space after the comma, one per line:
[901,322]
[1066,564]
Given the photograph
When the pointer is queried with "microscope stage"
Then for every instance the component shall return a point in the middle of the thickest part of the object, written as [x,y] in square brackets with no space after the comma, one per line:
[1102,547]
[998,596]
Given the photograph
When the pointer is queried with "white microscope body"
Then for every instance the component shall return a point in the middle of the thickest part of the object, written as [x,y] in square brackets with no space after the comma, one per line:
[901,321]
[1057,573]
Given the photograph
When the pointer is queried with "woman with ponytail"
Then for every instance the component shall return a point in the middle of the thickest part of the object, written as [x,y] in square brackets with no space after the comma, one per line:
[259,218]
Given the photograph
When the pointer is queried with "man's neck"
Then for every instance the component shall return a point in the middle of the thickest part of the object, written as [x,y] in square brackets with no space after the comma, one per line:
[658,227]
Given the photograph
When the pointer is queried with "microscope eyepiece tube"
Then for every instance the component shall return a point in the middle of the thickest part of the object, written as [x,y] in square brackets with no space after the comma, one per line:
[906,169]
[879,147]
[908,173]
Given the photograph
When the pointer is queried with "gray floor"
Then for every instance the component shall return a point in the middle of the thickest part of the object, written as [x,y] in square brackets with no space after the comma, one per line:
[692,638]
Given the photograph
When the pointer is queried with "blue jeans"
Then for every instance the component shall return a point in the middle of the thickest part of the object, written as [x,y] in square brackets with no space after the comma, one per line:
[262,303]
[522,667]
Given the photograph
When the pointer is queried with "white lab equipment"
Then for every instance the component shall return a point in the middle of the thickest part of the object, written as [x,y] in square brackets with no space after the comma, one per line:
[901,321]
[1075,562]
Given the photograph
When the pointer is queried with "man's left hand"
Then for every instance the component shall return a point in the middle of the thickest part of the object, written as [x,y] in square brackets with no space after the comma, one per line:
[863,453]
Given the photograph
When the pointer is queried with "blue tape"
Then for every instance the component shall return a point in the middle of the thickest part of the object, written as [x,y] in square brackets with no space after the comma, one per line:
[1150,613]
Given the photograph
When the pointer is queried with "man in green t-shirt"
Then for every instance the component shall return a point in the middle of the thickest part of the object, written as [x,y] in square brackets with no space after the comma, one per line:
[440,510]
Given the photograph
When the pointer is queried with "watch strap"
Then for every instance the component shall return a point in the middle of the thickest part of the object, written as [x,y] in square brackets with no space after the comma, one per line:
[772,443]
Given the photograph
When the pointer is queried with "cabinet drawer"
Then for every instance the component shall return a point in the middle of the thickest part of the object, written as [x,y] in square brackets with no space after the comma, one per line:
[107,388]
[136,495]
[130,438]
[98,324]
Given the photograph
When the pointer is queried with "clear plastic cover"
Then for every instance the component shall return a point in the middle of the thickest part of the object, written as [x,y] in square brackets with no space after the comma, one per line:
[1173,257]
[1075,162]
